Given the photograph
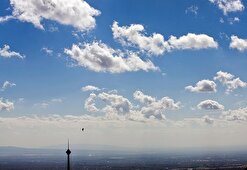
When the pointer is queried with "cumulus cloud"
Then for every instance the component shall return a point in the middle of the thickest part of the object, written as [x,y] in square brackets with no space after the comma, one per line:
[192,41]
[116,103]
[142,98]
[229,5]
[90,88]
[229,81]
[119,107]
[6,105]
[223,76]
[235,115]
[154,108]
[133,35]
[90,103]
[7,53]
[203,86]
[210,105]
[238,43]
[76,13]
[6,85]
[99,57]
[115,106]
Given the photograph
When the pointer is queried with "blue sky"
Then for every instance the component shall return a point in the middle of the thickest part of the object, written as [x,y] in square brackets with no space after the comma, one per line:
[45,80]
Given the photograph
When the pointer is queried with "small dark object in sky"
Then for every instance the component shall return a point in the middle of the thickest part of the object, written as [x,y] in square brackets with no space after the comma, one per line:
[82,129]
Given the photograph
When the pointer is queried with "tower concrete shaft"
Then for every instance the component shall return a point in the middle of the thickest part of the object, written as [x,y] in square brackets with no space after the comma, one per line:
[68,152]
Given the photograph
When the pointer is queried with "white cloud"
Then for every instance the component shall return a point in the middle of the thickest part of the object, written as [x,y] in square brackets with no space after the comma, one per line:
[75,34]
[116,103]
[90,88]
[223,77]
[5,18]
[47,50]
[192,9]
[235,115]
[222,20]
[133,35]
[99,57]
[210,105]
[90,103]
[76,13]
[154,108]
[142,98]
[114,91]
[203,86]
[119,107]
[238,43]
[229,81]
[229,5]
[192,41]
[6,53]
[6,105]
[233,20]
[6,85]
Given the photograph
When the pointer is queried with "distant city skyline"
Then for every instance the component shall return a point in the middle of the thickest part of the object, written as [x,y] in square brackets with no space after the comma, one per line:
[152,74]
